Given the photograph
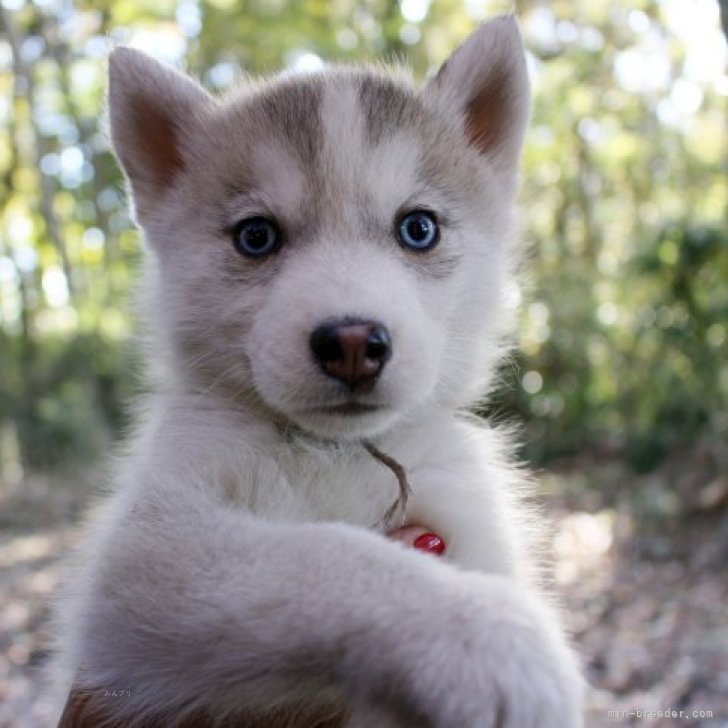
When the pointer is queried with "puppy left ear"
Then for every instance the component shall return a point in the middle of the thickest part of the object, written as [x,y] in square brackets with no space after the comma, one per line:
[485,84]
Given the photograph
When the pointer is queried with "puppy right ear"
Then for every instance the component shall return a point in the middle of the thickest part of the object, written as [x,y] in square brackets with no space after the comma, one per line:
[151,109]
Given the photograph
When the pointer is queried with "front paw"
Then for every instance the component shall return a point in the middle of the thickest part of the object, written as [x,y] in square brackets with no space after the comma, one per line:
[499,661]
[537,679]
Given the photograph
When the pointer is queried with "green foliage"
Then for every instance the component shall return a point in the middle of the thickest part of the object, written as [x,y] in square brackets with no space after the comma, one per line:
[68,398]
[644,385]
[622,344]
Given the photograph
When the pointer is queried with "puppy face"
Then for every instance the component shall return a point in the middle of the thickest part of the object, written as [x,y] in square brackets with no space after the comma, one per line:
[332,246]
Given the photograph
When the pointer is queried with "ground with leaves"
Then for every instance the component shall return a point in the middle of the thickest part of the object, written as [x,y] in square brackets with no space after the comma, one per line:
[645,591]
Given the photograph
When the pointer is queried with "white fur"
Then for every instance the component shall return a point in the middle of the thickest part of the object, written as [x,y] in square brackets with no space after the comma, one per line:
[238,562]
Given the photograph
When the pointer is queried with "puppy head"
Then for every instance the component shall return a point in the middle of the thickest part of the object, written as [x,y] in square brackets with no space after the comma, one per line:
[334,246]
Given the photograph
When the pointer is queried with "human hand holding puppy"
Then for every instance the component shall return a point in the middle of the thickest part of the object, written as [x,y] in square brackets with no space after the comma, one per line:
[422,539]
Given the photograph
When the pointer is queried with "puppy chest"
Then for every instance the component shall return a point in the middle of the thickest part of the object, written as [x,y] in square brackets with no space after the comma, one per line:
[323,486]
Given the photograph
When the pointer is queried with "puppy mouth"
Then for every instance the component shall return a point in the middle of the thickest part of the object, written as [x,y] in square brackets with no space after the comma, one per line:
[348,409]
[344,420]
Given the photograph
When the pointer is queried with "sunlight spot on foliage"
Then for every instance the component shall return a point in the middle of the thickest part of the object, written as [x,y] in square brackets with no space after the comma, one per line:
[686,96]
[71,160]
[305,62]
[93,238]
[639,21]
[556,404]
[108,199]
[581,542]
[50,164]
[643,68]
[84,76]
[668,114]
[20,228]
[706,53]
[476,9]
[533,68]
[566,31]
[221,75]
[10,303]
[32,48]
[409,34]
[7,270]
[97,46]
[113,324]
[721,85]
[6,62]
[591,39]
[549,173]
[537,329]
[607,313]
[543,405]
[532,382]
[539,313]
[590,130]
[26,259]
[542,135]
[55,287]
[165,42]
[541,25]
[61,320]
[715,335]
[189,17]
[696,23]
[414,11]
[368,26]
[347,39]
[607,261]
[50,5]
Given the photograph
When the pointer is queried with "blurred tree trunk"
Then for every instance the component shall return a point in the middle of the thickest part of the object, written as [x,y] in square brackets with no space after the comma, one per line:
[24,82]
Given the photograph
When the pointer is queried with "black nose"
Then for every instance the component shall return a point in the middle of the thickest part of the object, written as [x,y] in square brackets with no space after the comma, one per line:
[351,350]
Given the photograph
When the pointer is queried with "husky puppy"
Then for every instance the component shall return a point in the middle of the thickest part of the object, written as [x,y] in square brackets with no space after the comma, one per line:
[330,261]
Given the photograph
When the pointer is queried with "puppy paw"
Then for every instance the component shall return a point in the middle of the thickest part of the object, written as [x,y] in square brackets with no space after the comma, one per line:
[499,660]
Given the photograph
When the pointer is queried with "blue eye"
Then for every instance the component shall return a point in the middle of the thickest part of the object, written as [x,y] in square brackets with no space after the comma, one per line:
[418,230]
[256,237]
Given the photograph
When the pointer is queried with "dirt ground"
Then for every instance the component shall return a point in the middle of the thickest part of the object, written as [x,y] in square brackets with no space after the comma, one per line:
[639,562]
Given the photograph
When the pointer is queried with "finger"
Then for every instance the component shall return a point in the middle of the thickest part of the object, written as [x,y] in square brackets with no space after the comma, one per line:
[419,538]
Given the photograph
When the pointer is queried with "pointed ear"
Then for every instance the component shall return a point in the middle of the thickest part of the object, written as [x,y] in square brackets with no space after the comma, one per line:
[484,86]
[151,107]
